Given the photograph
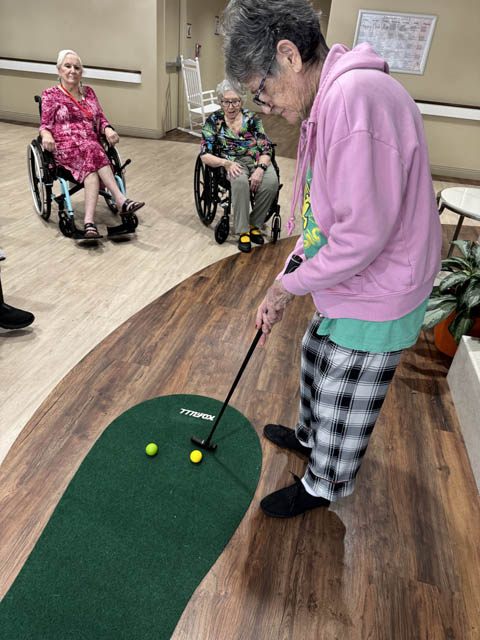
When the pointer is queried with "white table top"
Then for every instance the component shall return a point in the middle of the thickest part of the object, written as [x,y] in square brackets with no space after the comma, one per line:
[463,200]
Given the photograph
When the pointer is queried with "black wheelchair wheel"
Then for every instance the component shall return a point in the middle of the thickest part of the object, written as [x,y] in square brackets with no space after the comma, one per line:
[222,230]
[116,165]
[65,224]
[38,177]
[110,202]
[204,185]
[276,228]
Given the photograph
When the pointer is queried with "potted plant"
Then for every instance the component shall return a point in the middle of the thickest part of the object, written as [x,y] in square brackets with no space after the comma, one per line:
[454,305]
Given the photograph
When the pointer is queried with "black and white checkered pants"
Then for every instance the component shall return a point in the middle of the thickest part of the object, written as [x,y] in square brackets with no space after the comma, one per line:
[341,393]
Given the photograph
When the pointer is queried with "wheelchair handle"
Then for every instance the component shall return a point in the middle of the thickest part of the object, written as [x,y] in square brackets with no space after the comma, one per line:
[38,100]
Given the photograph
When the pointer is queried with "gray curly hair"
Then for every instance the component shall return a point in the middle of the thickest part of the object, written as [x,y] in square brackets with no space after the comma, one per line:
[230,85]
[252,29]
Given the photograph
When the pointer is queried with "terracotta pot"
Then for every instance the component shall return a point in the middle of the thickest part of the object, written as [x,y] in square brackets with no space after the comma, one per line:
[443,338]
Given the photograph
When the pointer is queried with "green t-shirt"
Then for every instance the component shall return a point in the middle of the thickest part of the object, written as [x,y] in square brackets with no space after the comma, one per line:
[362,335]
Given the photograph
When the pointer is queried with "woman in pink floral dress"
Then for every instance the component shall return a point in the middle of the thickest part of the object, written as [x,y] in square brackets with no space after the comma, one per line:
[72,121]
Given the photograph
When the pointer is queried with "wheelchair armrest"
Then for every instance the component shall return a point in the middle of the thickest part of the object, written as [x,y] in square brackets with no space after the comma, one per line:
[48,155]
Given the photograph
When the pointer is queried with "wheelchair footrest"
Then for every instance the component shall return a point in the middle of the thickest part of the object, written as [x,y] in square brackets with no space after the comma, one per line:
[121,230]
[79,234]
[129,224]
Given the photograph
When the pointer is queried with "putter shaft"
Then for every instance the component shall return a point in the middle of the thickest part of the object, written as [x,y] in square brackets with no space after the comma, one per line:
[293,264]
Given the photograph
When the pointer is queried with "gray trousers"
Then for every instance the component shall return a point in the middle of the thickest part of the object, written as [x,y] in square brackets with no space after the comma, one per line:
[264,196]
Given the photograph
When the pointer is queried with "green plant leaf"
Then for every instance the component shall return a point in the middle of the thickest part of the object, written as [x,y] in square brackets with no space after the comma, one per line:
[439,301]
[435,291]
[476,253]
[438,312]
[460,325]
[452,280]
[465,247]
[450,264]
[471,296]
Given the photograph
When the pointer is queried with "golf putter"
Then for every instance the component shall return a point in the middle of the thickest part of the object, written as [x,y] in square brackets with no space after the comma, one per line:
[207,444]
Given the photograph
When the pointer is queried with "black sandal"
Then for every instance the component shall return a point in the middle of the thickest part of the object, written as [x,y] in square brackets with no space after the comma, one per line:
[90,230]
[129,206]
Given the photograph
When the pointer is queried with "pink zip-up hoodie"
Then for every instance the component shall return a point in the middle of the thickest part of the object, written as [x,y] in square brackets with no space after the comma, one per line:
[371,194]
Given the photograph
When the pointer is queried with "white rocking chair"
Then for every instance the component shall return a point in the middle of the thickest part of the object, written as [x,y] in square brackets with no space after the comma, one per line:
[200,104]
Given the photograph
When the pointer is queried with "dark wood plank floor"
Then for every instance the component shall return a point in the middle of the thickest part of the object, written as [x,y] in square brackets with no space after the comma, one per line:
[397,560]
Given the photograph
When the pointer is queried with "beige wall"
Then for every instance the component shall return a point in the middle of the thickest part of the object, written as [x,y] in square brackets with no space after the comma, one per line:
[122,35]
[452,74]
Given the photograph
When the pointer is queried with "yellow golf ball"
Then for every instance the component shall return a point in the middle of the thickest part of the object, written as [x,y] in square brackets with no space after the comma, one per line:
[151,449]
[196,456]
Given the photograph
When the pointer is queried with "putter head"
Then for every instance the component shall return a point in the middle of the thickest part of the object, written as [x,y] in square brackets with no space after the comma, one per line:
[209,446]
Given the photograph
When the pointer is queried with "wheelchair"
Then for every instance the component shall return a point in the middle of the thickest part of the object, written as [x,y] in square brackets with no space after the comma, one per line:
[212,189]
[43,172]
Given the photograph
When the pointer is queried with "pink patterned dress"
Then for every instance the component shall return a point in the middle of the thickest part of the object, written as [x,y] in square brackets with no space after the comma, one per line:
[75,134]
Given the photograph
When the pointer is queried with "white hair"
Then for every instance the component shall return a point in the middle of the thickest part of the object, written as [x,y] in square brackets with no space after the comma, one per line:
[229,85]
[65,52]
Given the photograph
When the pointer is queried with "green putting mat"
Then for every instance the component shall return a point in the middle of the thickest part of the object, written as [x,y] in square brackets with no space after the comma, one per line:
[133,535]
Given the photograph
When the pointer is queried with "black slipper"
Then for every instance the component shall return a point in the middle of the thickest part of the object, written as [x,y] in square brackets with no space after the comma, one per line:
[291,501]
[256,235]
[244,243]
[285,437]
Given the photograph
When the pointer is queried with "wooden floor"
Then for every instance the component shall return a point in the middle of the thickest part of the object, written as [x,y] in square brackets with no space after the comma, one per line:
[399,559]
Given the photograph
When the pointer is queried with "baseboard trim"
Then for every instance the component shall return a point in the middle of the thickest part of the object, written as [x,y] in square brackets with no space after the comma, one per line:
[134,132]
[139,132]
[455,172]
[20,118]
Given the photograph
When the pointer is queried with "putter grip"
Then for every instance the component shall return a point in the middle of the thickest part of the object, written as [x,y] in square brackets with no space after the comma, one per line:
[294,262]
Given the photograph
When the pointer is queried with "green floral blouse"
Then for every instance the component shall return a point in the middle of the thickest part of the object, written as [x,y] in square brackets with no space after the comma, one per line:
[220,140]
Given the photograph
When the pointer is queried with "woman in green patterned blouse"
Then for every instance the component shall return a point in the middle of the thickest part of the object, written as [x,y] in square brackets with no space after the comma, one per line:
[234,138]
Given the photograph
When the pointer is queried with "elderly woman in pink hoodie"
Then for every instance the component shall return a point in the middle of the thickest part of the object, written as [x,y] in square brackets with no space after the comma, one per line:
[370,241]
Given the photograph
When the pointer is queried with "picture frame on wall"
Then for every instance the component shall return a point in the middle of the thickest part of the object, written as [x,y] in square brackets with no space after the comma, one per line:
[402,39]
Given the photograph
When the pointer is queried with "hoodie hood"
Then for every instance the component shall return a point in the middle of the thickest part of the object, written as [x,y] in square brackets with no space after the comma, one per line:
[340,60]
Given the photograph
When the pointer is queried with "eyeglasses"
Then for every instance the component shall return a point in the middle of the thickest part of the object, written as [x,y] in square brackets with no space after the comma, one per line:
[233,103]
[256,97]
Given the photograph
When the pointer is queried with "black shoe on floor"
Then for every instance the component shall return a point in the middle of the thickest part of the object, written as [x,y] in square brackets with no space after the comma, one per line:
[12,318]
[256,235]
[285,437]
[291,501]
[244,243]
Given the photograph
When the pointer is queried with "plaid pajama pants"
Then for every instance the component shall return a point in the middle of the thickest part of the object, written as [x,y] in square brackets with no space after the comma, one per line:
[341,393]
